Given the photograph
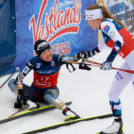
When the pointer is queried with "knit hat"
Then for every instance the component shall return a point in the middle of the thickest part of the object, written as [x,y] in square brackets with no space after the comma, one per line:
[40,46]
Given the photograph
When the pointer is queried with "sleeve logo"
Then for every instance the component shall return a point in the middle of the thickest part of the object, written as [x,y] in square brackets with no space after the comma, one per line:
[106,28]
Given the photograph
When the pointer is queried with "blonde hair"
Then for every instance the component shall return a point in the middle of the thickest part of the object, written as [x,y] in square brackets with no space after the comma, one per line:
[105,12]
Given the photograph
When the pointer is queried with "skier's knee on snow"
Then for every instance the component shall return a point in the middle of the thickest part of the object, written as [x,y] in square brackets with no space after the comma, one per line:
[12,85]
[54,92]
[49,97]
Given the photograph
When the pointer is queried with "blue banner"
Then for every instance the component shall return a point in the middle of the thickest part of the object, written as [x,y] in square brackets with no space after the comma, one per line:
[7,36]
[60,22]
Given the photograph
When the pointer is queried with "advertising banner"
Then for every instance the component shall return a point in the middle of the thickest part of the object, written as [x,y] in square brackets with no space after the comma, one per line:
[60,22]
[117,8]
[122,10]
[7,36]
[129,16]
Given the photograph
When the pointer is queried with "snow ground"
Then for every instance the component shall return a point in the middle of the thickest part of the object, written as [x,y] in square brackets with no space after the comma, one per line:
[87,89]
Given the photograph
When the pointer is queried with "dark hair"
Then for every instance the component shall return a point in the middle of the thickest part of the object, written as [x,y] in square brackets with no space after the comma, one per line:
[105,12]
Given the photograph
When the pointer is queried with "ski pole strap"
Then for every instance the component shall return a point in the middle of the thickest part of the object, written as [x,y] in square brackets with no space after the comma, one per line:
[73,68]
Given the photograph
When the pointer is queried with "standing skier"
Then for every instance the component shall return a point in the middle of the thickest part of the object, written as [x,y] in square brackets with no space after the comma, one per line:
[46,66]
[115,36]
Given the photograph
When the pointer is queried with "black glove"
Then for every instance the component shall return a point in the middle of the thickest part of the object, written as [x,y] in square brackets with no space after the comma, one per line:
[82,54]
[21,99]
[84,67]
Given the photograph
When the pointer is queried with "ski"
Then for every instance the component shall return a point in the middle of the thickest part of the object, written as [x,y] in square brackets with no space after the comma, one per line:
[54,126]
[104,133]
[31,112]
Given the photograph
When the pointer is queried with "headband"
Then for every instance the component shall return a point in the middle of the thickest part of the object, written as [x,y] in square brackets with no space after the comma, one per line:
[93,14]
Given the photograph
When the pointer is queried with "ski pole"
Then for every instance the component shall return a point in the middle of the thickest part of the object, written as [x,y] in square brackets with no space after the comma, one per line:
[9,77]
[96,64]
[17,112]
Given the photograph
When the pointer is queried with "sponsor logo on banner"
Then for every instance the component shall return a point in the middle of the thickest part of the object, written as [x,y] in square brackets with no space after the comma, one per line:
[56,23]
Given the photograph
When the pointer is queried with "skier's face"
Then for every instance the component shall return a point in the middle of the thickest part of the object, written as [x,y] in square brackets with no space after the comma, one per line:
[93,24]
[47,55]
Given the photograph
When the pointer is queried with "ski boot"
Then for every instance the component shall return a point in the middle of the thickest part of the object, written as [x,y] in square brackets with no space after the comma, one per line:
[71,115]
[32,105]
[115,128]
